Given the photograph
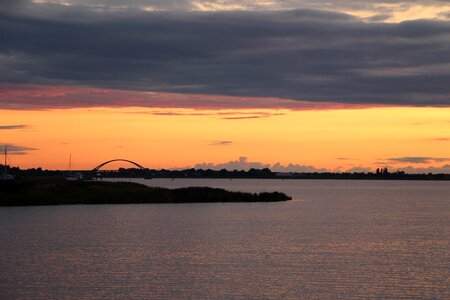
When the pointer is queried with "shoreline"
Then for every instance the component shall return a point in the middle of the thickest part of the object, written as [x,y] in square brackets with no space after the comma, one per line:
[290,178]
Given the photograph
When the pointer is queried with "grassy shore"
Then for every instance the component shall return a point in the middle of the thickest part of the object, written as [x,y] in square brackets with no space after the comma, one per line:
[54,191]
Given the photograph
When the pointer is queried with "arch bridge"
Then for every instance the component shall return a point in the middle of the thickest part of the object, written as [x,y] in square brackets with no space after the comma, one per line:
[97,168]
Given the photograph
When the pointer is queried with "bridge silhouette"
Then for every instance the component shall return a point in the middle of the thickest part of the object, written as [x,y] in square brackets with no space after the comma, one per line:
[97,168]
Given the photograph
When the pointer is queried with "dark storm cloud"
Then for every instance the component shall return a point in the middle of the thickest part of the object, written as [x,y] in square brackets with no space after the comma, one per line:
[12,5]
[380,6]
[299,54]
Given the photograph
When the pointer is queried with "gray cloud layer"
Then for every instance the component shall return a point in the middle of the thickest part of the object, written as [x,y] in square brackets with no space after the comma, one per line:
[376,6]
[418,159]
[298,54]
[16,149]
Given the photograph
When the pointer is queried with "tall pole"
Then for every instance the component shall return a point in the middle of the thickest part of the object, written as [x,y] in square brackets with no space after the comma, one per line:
[6,153]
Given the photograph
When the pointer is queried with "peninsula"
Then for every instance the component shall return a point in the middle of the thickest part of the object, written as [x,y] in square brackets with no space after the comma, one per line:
[58,191]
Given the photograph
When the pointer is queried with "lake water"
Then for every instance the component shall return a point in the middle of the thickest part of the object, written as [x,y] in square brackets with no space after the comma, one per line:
[336,239]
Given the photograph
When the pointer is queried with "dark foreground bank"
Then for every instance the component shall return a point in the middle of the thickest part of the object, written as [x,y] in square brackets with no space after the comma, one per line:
[26,192]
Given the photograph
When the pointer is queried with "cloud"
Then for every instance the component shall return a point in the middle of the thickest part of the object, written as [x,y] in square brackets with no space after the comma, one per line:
[380,17]
[417,159]
[220,143]
[445,169]
[306,55]
[12,127]
[359,170]
[172,113]
[244,164]
[230,115]
[377,10]
[244,117]
[278,167]
[16,149]
[24,96]
[241,164]
[253,116]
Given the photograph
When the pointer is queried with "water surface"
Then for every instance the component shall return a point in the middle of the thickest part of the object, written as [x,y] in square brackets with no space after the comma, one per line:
[336,239]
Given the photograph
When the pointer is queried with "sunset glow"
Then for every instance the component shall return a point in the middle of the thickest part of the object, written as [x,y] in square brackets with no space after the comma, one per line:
[181,138]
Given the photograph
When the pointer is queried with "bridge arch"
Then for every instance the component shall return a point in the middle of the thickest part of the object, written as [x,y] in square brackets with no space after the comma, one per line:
[118,159]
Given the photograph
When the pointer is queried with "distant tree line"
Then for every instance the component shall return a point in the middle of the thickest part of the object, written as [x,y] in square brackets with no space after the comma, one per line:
[380,173]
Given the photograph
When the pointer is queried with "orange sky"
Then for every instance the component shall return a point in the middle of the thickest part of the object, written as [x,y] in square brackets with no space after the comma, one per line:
[170,138]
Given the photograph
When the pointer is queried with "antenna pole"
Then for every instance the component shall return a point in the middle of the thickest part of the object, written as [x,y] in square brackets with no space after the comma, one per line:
[6,153]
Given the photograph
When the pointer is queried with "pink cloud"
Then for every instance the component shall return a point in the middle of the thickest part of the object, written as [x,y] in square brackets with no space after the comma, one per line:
[25,96]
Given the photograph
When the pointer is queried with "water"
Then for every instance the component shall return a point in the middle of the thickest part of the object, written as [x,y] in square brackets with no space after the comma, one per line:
[336,239]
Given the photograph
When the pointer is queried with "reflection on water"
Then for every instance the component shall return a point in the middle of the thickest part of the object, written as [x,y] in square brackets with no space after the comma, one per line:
[344,239]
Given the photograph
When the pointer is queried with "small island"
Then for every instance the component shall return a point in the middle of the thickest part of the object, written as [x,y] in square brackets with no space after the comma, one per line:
[58,191]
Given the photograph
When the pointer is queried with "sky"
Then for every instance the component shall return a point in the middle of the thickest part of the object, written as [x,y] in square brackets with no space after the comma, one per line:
[303,86]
